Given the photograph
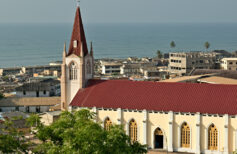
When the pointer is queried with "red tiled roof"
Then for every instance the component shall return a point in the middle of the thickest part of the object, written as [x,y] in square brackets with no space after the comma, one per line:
[177,97]
[79,35]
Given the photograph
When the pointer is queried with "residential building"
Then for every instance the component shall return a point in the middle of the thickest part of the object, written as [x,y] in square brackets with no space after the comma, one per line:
[28,104]
[110,67]
[10,71]
[48,118]
[229,64]
[175,117]
[44,88]
[185,62]
[130,69]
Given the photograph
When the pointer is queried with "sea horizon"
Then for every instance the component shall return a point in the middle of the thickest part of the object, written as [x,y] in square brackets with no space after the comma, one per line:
[24,44]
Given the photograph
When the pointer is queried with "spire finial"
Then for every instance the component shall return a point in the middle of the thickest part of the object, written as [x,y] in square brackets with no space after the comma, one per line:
[78,3]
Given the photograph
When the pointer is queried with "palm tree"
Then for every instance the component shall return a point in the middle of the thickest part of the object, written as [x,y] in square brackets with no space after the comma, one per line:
[207,45]
[159,54]
[172,44]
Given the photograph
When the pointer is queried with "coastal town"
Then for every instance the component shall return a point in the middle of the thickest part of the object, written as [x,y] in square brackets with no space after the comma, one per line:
[173,102]
[161,68]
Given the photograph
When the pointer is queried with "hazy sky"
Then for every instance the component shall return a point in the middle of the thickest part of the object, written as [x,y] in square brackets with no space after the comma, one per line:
[110,11]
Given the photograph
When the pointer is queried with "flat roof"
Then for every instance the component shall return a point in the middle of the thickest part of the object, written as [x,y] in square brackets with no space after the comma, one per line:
[232,58]
[218,80]
[29,101]
[183,78]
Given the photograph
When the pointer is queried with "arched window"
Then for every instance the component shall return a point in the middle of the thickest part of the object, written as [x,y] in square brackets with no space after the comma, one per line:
[88,67]
[107,124]
[133,130]
[185,135]
[73,71]
[212,137]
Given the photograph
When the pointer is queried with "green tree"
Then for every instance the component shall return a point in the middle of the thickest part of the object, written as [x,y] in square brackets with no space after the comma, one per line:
[12,140]
[77,133]
[207,45]
[159,54]
[5,78]
[172,44]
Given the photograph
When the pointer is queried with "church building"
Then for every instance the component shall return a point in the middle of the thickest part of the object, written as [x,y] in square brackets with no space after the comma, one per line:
[173,117]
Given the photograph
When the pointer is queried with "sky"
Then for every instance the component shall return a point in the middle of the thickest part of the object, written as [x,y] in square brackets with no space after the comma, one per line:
[119,11]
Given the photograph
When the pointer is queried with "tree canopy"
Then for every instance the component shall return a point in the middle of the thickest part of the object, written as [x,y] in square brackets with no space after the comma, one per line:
[12,140]
[78,133]
[207,45]
[159,54]
[172,44]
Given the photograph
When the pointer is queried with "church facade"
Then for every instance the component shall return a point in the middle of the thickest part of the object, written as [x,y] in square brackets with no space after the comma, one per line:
[183,117]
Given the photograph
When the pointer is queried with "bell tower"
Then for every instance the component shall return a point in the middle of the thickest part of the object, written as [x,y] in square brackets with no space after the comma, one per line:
[77,66]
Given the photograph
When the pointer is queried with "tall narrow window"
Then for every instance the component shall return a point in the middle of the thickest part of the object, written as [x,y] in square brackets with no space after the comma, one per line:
[185,135]
[107,124]
[133,130]
[88,67]
[212,137]
[73,72]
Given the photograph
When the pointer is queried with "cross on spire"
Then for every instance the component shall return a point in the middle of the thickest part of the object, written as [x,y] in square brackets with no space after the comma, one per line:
[78,3]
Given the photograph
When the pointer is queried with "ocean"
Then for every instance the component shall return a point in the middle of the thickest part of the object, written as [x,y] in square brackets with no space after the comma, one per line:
[39,44]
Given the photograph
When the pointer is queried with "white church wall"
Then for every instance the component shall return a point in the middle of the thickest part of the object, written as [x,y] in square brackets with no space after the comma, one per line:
[161,120]
[127,116]
[179,119]
[158,119]
[233,133]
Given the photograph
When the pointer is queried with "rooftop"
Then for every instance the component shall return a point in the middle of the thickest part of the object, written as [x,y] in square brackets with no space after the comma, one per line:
[218,80]
[29,101]
[42,85]
[232,58]
[158,96]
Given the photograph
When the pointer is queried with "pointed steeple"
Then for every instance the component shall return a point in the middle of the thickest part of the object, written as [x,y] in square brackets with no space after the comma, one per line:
[78,36]
[91,51]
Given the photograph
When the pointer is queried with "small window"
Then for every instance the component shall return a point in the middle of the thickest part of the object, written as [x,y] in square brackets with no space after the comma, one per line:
[37,109]
[17,108]
[75,43]
[27,109]
[230,63]
[37,93]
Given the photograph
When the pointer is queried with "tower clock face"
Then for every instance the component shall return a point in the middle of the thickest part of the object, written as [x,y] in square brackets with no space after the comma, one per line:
[75,43]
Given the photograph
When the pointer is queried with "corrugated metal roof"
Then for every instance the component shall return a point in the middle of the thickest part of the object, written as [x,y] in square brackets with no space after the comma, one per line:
[177,97]
[29,101]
